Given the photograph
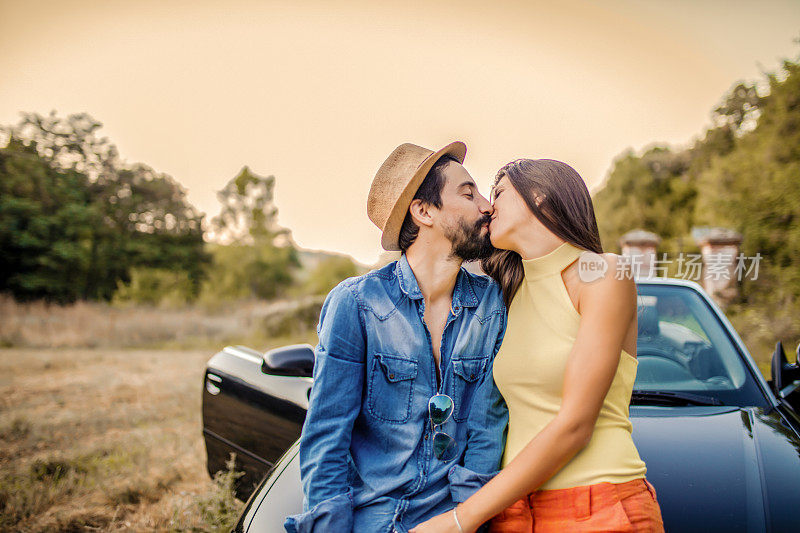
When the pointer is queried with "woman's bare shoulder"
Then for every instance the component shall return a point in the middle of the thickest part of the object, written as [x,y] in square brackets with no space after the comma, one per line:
[610,276]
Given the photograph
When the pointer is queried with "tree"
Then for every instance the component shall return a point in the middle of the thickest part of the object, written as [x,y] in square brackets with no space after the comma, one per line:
[154,225]
[743,174]
[68,143]
[651,191]
[754,189]
[257,255]
[75,219]
[248,214]
[46,221]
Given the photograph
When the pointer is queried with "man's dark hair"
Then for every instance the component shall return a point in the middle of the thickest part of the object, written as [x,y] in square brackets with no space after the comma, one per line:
[429,192]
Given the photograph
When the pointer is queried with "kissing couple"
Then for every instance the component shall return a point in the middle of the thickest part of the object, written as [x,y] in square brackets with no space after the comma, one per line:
[451,402]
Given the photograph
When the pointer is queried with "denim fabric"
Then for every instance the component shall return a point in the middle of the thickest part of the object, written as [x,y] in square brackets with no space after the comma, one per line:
[366,457]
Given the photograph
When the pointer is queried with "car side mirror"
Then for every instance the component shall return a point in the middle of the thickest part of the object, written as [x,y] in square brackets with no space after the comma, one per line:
[294,360]
[785,376]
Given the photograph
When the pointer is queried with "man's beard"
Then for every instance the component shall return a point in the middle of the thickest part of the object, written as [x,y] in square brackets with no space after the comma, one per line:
[467,241]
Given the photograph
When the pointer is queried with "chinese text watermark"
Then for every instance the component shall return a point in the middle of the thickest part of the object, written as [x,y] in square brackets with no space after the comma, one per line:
[695,267]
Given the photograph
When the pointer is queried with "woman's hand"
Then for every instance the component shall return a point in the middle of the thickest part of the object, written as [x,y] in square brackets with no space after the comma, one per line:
[443,523]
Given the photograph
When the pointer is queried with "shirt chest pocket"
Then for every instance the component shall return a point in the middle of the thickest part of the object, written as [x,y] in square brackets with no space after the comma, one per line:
[468,372]
[391,383]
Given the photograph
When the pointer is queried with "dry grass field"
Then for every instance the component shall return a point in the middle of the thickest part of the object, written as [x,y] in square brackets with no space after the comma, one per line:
[100,421]
[104,439]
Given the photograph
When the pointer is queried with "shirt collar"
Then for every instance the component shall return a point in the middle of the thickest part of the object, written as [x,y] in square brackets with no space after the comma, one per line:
[463,293]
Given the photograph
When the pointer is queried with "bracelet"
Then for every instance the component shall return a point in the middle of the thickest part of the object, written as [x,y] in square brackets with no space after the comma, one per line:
[455,517]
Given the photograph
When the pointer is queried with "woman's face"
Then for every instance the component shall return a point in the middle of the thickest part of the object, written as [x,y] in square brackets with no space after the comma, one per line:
[511,218]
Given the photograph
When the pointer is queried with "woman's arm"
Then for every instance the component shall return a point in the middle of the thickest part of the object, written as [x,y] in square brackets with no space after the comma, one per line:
[608,306]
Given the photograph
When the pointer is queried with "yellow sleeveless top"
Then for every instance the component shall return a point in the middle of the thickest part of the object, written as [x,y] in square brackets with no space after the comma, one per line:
[529,372]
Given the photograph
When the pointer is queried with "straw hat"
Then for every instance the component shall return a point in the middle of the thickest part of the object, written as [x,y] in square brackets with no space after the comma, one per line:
[397,182]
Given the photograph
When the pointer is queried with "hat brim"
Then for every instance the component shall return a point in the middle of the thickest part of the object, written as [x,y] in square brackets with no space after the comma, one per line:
[391,231]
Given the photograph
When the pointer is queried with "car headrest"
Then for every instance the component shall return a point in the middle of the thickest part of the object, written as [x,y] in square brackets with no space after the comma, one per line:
[648,321]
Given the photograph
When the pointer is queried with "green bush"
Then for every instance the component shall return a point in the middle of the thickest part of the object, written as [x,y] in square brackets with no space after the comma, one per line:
[301,317]
[219,509]
[328,273]
[156,286]
[242,271]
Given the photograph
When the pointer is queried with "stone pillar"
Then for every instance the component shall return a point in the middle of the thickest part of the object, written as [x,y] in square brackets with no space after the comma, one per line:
[719,248]
[639,246]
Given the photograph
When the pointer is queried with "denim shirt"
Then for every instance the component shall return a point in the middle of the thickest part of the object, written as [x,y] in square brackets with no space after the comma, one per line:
[366,456]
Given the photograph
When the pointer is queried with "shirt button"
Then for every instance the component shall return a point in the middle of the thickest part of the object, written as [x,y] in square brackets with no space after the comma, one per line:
[426,436]
[472,376]
[391,376]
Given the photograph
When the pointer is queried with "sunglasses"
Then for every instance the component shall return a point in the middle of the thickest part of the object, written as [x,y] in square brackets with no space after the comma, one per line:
[440,408]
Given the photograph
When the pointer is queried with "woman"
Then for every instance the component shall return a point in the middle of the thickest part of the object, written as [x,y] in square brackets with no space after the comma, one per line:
[566,368]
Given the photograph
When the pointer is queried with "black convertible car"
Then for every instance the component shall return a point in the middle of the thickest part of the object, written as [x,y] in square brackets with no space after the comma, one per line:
[722,445]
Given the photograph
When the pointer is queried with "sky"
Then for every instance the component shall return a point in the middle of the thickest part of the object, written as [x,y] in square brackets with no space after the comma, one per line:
[317,94]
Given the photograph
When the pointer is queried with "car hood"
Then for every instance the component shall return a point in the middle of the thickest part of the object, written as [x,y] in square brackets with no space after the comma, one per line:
[742,464]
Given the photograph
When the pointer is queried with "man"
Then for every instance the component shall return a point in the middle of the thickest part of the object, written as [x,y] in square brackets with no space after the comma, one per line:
[404,419]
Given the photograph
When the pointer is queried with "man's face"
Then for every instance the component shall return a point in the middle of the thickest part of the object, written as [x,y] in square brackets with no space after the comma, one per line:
[465,214]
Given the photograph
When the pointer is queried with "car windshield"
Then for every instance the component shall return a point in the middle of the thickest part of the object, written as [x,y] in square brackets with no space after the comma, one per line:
[686,353]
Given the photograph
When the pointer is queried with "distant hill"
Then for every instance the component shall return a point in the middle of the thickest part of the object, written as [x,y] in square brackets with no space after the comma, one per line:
[311,259]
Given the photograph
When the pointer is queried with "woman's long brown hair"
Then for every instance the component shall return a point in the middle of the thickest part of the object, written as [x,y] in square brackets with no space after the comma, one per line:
[566,209]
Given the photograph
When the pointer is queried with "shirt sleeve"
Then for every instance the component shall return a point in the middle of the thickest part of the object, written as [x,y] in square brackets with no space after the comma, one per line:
[486,437]
[334,404]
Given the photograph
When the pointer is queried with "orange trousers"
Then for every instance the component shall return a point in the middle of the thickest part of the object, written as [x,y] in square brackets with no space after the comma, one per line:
[620,507]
